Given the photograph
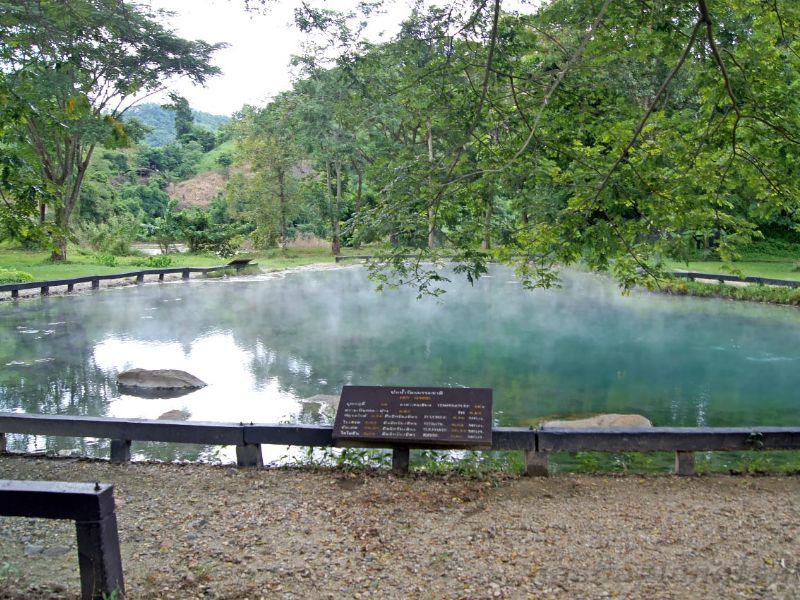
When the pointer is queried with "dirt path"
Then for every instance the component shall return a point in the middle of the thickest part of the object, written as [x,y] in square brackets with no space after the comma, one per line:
[200,531]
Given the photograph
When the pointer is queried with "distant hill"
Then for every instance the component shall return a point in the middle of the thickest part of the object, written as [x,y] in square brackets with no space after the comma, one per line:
[162,122]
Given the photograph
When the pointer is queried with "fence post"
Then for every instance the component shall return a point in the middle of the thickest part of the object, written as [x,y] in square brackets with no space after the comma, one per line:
[161,277]
[99,558]
[401,458]
[536,463]
[70,287]
[2,443]
[249,455]
[45,290]
[120,451]
[684,463]
[140,278]
[15,293]
[95,284]
[185,274]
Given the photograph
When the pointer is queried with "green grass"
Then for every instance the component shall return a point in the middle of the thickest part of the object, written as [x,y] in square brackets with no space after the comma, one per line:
[777,269]
[82,262]
[208,162]
[751,293]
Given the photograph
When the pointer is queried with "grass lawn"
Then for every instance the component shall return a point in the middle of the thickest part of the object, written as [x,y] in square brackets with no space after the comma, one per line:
[82,262]
[778,269]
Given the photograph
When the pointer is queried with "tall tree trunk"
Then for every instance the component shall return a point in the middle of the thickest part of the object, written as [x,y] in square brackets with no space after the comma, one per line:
[431,212]
[336,244]
[282,208]
[359,185]
[487,224]
[72,192]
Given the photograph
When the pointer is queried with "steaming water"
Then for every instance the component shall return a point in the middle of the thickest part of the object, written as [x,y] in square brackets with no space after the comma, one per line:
[264,345]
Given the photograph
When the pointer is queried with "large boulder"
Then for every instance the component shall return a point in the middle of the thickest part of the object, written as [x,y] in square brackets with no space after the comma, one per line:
[159,379]
[604,421]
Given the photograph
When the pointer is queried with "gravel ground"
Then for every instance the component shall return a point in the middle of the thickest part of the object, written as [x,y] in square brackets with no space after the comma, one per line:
[199,531]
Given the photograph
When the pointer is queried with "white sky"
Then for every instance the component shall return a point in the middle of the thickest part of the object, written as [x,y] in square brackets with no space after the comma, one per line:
[256,64]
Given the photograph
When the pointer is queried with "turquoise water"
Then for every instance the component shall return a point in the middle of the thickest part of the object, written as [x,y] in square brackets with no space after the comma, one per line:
[266,344]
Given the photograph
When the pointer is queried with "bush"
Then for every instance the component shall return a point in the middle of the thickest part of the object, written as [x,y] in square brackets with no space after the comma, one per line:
[14,276]
[113,237]
[107,260]
[159,261]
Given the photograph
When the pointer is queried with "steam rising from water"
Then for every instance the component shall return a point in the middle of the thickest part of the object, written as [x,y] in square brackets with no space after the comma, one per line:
[265,344]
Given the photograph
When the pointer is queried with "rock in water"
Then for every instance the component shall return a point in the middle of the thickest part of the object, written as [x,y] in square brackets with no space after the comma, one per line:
[605,421]
[159,379]
[329,399]
[175,415]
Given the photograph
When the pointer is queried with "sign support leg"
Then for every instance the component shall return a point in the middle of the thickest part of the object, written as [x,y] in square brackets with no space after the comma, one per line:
[536,463]
[401,457]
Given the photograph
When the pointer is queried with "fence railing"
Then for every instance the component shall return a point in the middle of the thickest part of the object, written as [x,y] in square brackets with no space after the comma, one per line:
[733,279]
[139,276]
[537,444]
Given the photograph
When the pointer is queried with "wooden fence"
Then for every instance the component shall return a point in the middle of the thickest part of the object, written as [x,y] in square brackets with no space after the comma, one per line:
[138,276]
[733,279]
[537,444]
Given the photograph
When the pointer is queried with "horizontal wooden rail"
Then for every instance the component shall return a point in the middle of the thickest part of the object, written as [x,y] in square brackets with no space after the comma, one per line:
[340,258]
[536,443]
[185,272]
[667,439]
[733,279]
[144,430]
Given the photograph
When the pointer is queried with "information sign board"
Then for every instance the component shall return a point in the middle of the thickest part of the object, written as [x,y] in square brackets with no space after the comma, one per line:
[430,416]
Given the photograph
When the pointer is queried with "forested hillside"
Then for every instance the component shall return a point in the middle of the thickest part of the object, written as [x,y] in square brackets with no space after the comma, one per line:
[620,134]
[161,122]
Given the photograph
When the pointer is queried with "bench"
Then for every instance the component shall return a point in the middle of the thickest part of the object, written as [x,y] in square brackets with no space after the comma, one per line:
[91,506]
[241,263]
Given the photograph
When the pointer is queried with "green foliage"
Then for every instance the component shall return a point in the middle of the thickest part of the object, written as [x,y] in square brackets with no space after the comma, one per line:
[183,118]
[161,122]
[113,237]
[76,68]
[158,261]
[751,292]
[7,571]
[210,161]
[107,260]
[770,249]
[14,276]
[620,138]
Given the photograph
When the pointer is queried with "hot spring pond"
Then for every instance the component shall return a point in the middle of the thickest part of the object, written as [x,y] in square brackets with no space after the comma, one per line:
[267,344]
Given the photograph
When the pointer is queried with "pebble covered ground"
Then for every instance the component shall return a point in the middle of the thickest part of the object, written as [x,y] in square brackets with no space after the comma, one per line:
[201,531]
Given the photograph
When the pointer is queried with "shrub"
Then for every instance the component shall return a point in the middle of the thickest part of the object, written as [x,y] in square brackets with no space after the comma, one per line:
[159,261]
[113,237]
[14,276]
[107,260]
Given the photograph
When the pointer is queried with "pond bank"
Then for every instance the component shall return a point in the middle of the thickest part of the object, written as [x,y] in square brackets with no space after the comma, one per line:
[199,531]
[748,292]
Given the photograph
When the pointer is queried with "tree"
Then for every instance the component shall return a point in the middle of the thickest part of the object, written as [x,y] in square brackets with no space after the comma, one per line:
[618,133]
[184,119]
[267,149]
[79,66]
[21,188]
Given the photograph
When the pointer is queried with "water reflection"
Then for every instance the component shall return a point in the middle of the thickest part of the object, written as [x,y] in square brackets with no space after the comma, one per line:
[264,346]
